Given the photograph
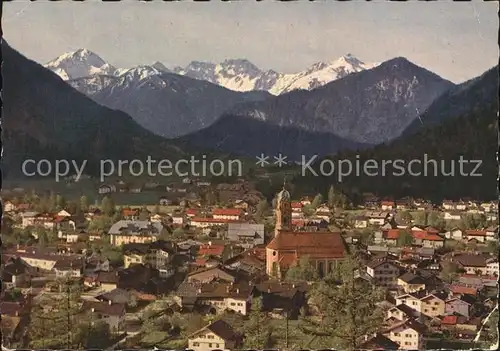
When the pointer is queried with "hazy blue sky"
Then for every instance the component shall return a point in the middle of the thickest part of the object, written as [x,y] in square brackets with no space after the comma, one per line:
[456,40]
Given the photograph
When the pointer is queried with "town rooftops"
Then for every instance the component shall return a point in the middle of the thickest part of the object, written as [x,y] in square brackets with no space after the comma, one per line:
[470,260]
[108,308]
[227,212]
[411,278]
[126,227]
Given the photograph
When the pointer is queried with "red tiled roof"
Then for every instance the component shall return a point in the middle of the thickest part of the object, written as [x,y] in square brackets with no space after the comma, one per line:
[59,219]
[314,244]
[215,250]
[393,234]
[450,320]
[432,230]
[457,289]
[298,222]
[288,259]
[128,212]
[227,211]
[211,220]
[417,234]
[387,203]
[475,232]
[297,205]
[200,261]
[191,211]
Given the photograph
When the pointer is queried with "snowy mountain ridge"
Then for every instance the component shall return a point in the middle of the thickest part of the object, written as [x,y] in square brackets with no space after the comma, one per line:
[234,74]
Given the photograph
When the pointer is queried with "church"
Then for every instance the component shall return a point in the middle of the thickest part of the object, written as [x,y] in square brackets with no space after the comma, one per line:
[324,249]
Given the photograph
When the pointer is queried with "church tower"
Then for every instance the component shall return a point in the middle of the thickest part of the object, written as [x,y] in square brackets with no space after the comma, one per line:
[283,211]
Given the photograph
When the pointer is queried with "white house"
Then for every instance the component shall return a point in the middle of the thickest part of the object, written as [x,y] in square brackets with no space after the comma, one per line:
[455,234]
[452,215]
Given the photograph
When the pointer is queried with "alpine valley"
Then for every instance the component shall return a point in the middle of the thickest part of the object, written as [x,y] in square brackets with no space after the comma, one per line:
[86,105]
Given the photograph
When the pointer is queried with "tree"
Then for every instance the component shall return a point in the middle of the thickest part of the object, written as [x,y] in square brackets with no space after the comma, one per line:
[156,210]
[60,202]
[405,238]
[102,223]
[84,203]
[346,312]
[144,215]
[43,239]
[421,218]
[52,201]
[49,327]
[332,198]
[262,208]
[258,330]
[108,206]
[308,210]
[436,220]
[316,202]
[405,217]
[98,335]
[178,233]
[303,270]
[449,271]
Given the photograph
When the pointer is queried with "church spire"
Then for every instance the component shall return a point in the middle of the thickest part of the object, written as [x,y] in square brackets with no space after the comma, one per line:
[283,210]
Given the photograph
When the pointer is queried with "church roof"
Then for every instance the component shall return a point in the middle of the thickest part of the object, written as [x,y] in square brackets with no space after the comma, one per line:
[314,244]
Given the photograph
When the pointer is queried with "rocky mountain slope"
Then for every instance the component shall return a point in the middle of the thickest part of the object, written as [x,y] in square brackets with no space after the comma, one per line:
[43,117]
[469,130]
[167,104]
[368,107]
[251,137]
[459,100]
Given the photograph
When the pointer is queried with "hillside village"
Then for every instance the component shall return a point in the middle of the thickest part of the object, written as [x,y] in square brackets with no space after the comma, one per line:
[223,268]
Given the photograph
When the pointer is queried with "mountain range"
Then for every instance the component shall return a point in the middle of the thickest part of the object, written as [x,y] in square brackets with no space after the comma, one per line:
[165,103]
[343,100]
[44,117]
[462,123]
[233,74]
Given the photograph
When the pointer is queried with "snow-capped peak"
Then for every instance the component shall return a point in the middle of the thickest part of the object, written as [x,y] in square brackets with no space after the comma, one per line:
[140,72]
[78,64]
[234,74]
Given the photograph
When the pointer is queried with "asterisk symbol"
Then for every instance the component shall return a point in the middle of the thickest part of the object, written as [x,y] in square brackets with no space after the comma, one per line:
[280,160]
[262,160]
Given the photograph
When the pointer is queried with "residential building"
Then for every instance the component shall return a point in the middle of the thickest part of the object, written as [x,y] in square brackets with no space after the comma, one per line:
[426,239]
[387,205]
[408,334]
[454,234]
[411,282]
[231,214]
[458,305]
[226,296]
[452,215]
[384,273]
[111,313]
[247,235]
[132,231]
[472,264]
[433,305]
[217,335]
